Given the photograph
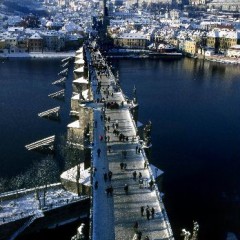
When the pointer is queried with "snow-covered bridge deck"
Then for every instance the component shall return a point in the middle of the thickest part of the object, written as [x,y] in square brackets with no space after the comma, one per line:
[114,215]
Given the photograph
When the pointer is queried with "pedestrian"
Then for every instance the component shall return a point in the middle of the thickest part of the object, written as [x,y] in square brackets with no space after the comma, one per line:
[152,212]
[135,226]
[109,175]
[124,166]
[95,123]
[139,175]
[108,138]
[151,184]
[108,191]
[111,190]
[105,176]
[98,152]
[121,165]
[136,149]
[109,148]
[148,214]
[101,117]
[139,235]
[134,175]
[145,164]
[142,210]
[126,189]
[109,119]
[108,127]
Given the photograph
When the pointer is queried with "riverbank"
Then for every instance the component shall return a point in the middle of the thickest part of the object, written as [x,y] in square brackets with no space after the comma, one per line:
[38,55]
[219,59]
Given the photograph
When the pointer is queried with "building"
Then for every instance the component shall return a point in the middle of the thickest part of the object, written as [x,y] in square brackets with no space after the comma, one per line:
[222,40]
[190,47]
[35,43]
[131,40]
[197,2]
[53,41]
[225,5]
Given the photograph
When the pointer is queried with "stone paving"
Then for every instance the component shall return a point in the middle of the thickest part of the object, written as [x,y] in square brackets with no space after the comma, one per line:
[114,216]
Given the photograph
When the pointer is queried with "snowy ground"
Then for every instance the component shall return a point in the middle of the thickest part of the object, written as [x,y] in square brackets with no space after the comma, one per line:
[28,205]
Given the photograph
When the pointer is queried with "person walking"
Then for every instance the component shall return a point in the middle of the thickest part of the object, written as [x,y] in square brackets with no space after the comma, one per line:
[109,175]
[98,152]
[105,177]
[151,184]
[126,189]
[145,164]
[142,210]
[134,175]
[135,226]
[152,212]
[121,165]
[148,214]
[139,235]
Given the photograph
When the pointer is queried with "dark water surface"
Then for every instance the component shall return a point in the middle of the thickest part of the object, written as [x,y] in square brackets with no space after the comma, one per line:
[24,88]
[194,107]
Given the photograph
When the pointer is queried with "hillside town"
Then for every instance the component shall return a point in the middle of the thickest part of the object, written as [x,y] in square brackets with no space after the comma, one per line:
[197,28]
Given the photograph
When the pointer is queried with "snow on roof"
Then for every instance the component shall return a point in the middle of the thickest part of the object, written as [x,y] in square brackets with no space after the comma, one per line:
[81,80]
[79,70]
[80,50]
[85,93]
[35,36]
[71,175]
[80,56]
[75,124]
[79,61]
[76,97]
[136,35]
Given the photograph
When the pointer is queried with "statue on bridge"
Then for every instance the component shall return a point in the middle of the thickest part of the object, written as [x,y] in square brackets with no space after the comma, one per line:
[134,95]
[147,133]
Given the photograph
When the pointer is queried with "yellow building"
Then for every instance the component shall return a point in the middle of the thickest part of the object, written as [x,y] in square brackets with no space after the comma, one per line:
[222,39]
[190,47]
[2,44]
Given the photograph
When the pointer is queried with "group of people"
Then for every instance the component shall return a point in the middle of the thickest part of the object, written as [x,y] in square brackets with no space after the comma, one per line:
[149,212]
[107,176]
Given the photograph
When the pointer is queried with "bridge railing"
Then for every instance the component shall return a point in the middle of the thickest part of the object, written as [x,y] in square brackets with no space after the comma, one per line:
[164,212]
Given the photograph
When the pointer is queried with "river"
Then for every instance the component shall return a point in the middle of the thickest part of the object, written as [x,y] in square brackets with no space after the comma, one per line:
[194,108]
